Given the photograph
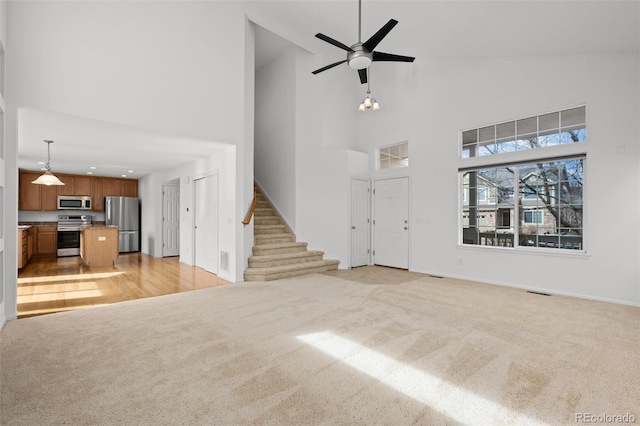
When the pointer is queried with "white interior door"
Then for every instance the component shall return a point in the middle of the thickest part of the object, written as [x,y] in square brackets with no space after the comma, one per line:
[206,223]
[170,220]
[391,222]
[360,224]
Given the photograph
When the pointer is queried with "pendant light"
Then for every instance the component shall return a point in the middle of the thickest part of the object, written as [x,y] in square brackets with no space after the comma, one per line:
[369,102]
[48,178]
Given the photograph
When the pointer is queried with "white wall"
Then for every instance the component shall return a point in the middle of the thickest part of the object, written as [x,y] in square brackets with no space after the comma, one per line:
[275,143]
[326,132]
[455,94]
[7,218]
[151,211]
[224,165]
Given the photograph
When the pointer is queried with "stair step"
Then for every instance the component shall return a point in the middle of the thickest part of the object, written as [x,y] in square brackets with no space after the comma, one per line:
[267,261]
[273,238]
[264,211]
[285,271]
[269,229]
[266,220]
[268,249]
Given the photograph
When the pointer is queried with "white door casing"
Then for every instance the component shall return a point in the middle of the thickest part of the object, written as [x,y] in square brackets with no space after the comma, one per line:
[391,222]
[206,223]
[360,223]
[170,220]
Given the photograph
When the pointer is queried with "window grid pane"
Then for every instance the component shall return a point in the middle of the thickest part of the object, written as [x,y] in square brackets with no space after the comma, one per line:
[556,128]
[549,201]
[393,157]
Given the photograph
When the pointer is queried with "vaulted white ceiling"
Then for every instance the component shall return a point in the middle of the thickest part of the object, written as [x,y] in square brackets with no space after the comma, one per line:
[426,29]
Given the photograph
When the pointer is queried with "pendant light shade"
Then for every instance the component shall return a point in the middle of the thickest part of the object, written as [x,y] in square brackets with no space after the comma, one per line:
[48,178]
[368,102]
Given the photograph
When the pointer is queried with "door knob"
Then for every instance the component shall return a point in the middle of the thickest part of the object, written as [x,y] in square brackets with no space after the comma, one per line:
[405,228]
[353,227]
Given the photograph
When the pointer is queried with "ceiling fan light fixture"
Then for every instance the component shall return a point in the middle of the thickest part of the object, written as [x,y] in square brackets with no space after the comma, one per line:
[359,62]
[369,102]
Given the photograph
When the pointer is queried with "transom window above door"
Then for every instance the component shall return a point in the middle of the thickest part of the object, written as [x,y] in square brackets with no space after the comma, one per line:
[393,156]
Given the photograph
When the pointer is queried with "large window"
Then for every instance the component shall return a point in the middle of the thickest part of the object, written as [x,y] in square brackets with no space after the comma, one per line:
[535,202]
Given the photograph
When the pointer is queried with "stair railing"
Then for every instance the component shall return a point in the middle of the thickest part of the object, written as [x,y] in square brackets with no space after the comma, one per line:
[252,209]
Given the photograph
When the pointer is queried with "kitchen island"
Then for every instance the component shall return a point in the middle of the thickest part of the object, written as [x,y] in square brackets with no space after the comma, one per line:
[99,245]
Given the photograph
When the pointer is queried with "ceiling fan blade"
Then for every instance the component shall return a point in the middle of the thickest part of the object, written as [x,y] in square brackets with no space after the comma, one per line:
[377,37]
[363,75]
[334,42]
[328,67]
[390,57]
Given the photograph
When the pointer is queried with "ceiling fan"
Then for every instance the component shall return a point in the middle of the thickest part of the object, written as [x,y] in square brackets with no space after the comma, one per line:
[360,55]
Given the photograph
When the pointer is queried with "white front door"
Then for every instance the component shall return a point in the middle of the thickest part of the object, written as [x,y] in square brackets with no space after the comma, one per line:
[170,220]
[206,223]
[360,229]
[391,222]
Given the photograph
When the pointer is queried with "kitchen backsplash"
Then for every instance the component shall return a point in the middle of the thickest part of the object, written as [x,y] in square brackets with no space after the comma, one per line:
[37,216]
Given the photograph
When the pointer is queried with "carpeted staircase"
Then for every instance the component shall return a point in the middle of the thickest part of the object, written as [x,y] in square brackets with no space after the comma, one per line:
[276,254]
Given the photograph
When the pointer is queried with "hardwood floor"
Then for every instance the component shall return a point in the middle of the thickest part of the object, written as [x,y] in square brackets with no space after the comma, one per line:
[51,284]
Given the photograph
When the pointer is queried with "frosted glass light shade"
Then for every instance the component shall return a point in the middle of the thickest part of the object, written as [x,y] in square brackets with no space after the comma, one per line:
[48,179]
[359,62]
[361,107]
[376,105]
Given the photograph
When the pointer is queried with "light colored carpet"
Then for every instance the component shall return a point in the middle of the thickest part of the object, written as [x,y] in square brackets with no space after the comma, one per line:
[325,349]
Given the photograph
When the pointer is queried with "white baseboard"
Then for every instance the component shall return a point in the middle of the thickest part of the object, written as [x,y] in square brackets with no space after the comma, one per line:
[530,288]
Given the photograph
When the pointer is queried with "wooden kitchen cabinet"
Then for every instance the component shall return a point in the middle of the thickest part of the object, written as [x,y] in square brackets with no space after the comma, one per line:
[82,185]
[129,188]
[29,194]
[112,187]
[25,246]
[45,198]
[97,194]
[49,198]
[46,239]
[67,188]
[99,245]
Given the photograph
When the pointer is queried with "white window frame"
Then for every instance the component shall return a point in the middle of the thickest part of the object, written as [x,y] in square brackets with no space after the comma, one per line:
[546,153]
[379,152]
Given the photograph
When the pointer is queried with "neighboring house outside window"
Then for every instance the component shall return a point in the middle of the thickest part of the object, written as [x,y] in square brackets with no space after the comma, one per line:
[535,203]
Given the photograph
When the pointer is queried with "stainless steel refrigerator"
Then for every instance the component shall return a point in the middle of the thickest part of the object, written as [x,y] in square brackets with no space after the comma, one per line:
[124,212]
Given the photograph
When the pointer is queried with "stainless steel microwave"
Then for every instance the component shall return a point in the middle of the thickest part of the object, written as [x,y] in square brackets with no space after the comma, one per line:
[74,202]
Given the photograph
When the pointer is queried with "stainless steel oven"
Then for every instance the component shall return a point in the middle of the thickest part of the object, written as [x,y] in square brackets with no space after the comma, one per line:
[69,227]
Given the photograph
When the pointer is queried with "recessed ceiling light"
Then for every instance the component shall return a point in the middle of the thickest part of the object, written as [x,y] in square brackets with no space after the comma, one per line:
[130,171]
[89,173]
[41,162]
[123,175]
[92,167]
[43,168]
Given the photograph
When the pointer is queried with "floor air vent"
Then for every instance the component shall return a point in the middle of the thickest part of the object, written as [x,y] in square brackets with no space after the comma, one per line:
[538,293]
